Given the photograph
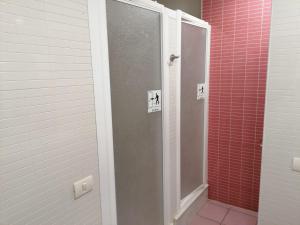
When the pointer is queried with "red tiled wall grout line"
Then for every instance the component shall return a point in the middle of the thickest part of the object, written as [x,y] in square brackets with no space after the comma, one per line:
[239,57]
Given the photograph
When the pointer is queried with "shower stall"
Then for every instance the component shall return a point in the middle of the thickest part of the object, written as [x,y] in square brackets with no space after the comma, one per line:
[193,104]
[134,42]
[151,92]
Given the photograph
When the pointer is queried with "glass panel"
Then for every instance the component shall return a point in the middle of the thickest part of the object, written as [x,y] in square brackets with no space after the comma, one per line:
[135,65]
[192,110]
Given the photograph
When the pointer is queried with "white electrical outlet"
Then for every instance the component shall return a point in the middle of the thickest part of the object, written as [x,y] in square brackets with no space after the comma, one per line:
[296,164]
[83,186]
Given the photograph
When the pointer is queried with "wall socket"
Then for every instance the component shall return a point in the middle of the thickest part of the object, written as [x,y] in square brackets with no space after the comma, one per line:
[296,164]
[83,186]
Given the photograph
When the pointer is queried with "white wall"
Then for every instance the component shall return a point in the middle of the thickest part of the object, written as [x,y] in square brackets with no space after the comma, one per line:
[280,186]
[47,117]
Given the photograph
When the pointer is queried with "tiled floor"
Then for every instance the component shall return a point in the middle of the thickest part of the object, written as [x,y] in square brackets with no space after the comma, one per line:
[217,213]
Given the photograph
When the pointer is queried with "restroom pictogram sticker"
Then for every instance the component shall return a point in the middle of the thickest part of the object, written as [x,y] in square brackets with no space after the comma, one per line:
[154,101]
[201,91]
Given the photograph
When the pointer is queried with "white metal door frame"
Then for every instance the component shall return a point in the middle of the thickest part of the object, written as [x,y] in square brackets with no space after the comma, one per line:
[184,204]
[101,75]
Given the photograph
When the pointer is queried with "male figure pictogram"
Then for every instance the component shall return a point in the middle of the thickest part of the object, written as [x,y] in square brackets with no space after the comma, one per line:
[157,99]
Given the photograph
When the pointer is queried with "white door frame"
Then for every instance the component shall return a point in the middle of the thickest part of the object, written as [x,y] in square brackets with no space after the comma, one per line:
[101,76]
[184,204]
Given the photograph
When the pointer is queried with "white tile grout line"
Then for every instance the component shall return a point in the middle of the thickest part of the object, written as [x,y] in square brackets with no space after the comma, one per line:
[233,208]
[210,218]
[243,114]
[219,102]
[230,119]
[229,209]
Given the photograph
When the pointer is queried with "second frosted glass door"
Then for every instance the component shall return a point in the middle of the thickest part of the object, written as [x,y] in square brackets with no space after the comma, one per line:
[192,110]
[134,37]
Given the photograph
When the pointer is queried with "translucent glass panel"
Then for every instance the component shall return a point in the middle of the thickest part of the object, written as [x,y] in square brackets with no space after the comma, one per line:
[192,110]
[135,65]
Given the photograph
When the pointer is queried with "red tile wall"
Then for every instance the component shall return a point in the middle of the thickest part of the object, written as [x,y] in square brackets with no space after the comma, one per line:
[239,56]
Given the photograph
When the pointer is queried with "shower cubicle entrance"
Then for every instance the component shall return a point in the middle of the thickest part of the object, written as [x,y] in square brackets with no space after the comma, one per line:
[193,105]
[192,113]
[135,84]
[134,43]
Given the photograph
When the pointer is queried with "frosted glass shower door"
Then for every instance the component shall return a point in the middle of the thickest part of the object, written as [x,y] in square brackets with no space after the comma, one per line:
[193,47]
[134,36]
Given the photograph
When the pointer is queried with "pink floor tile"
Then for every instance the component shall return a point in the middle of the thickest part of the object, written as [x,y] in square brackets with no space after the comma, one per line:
[238,218]
[213,212]
[227,206]
[203,221]
[245,211]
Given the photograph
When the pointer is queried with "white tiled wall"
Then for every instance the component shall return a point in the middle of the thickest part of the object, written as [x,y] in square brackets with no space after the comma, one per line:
[47,116]
[280,186]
